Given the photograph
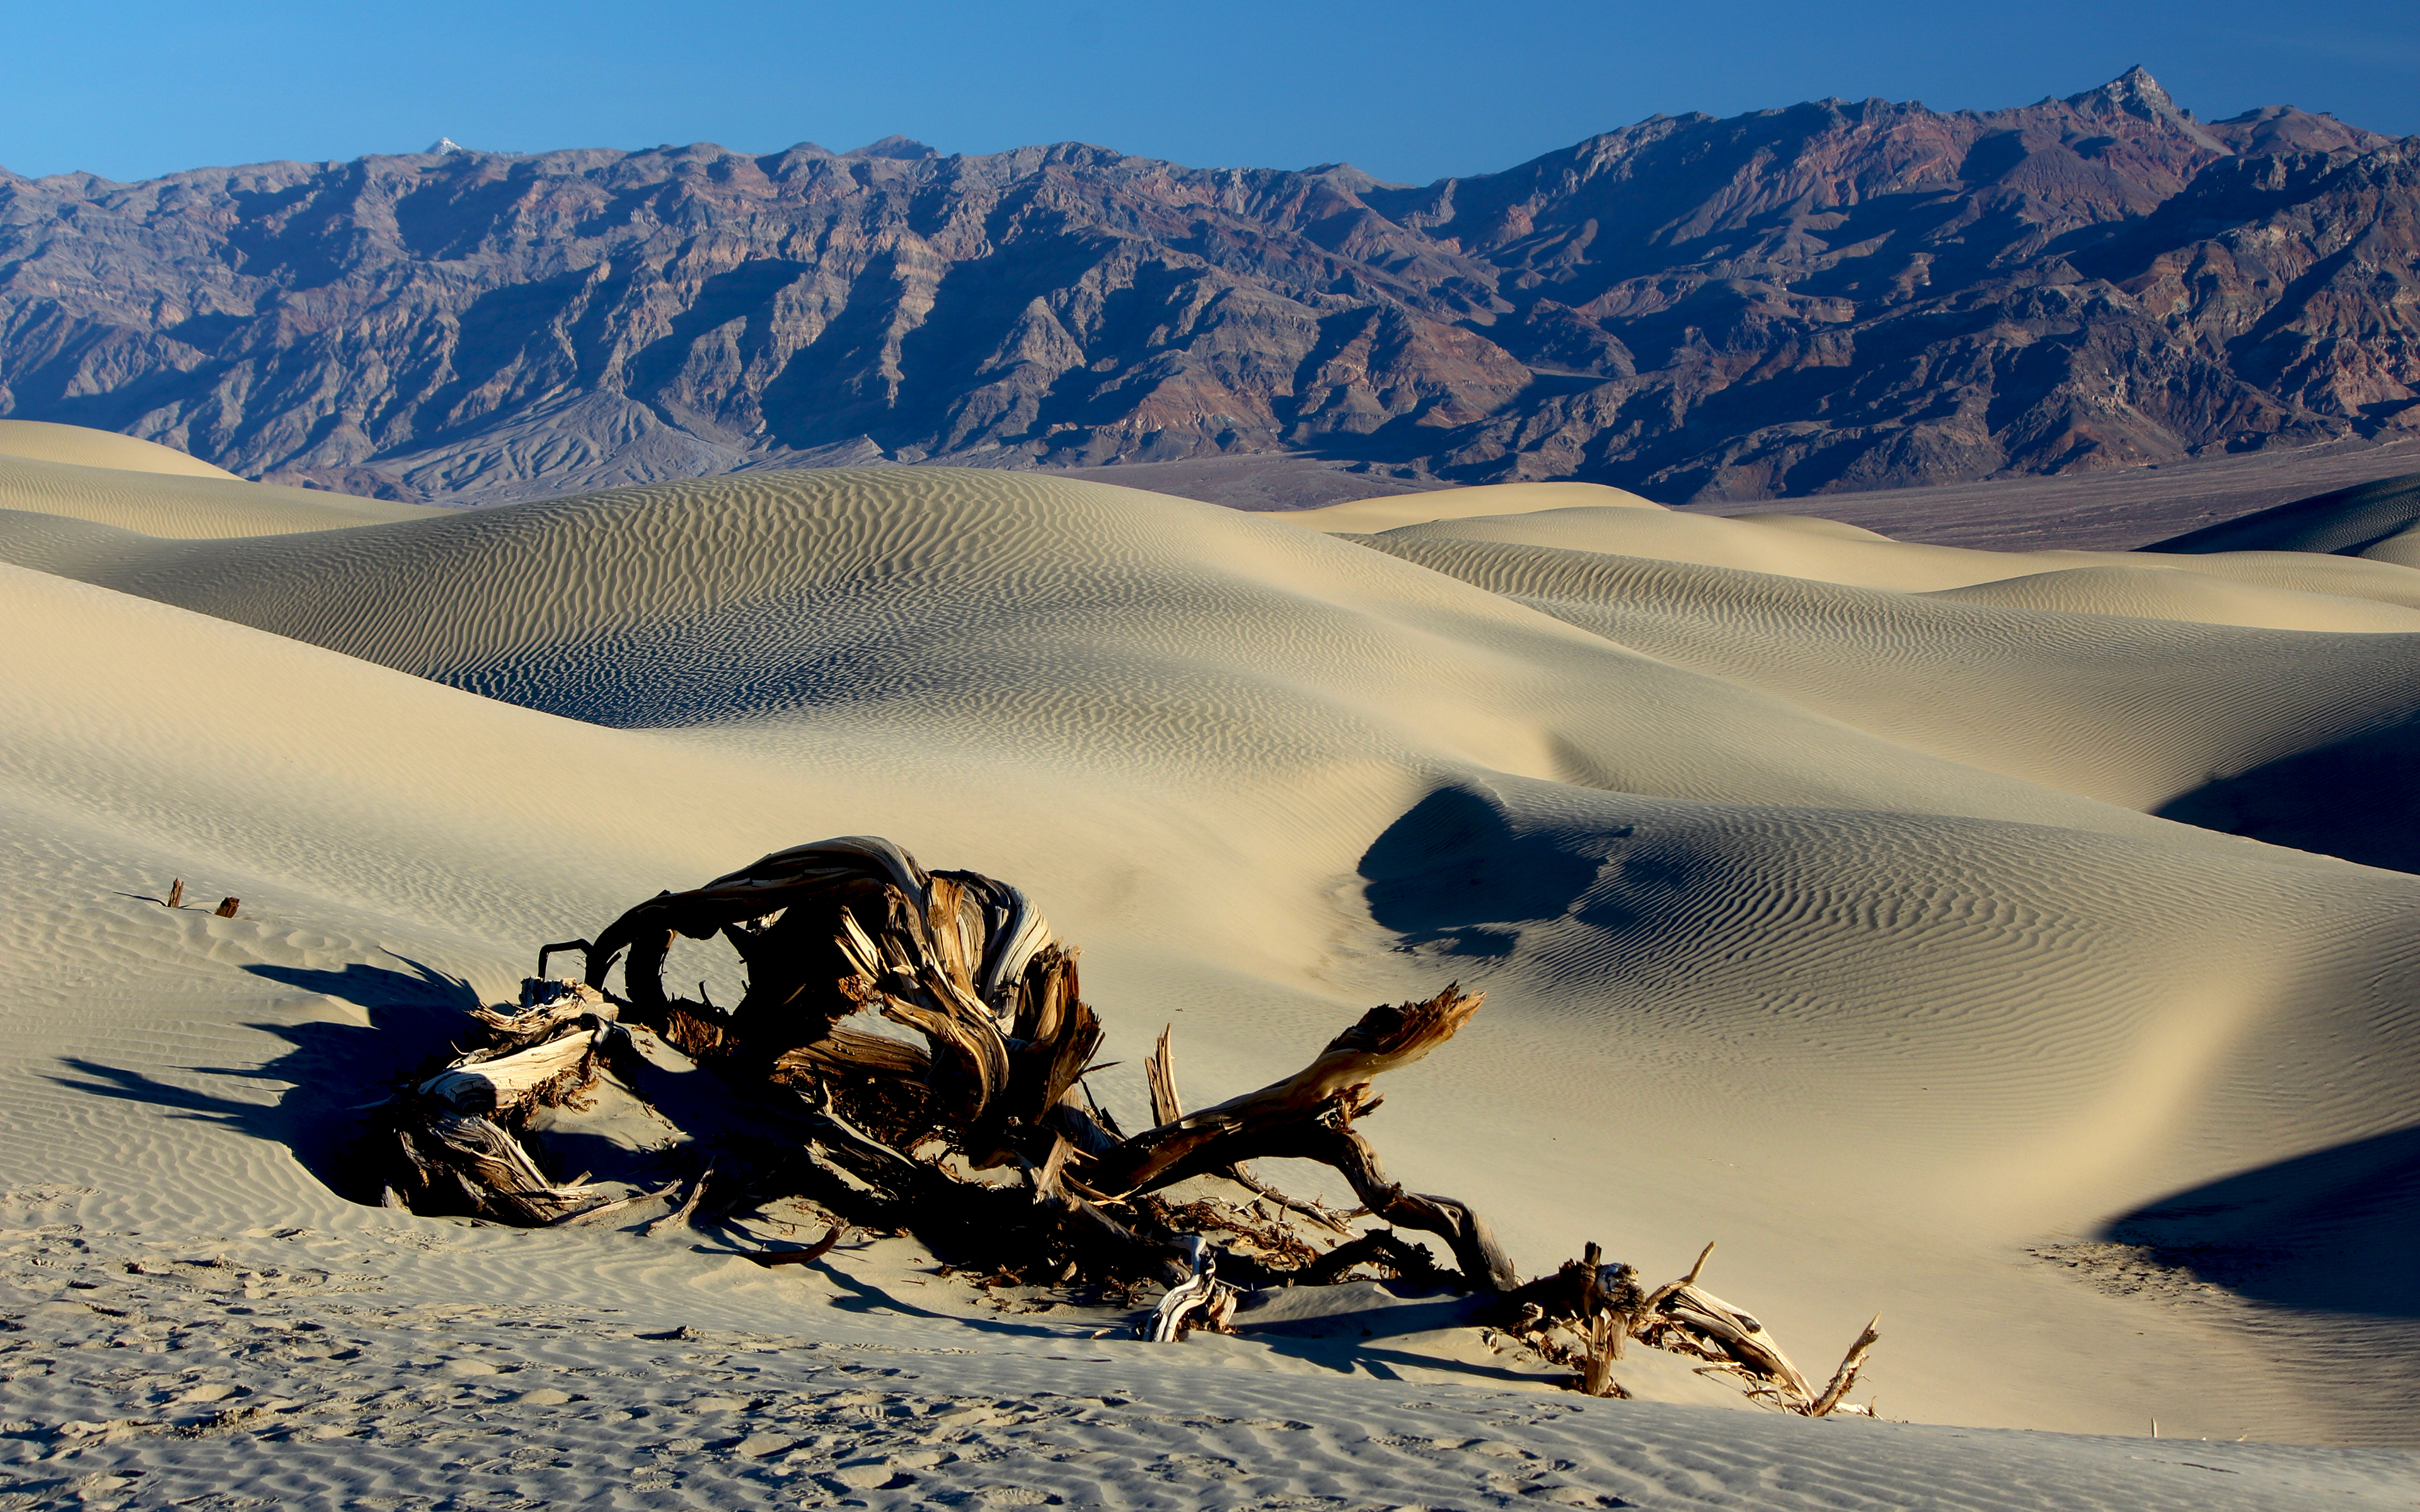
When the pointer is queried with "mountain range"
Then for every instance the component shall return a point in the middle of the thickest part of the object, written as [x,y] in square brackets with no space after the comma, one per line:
[1829,296]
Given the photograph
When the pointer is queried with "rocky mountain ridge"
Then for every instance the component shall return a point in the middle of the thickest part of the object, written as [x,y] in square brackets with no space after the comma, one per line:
[1833,296]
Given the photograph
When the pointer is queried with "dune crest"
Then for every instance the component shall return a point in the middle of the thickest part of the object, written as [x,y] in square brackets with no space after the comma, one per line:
[180,506]
[1362,515]
[82,446]
[1827,551]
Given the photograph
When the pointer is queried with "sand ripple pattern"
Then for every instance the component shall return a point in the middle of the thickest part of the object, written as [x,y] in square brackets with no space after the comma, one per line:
[217,1371]
[1817,917]
[165,505]
[2133,711]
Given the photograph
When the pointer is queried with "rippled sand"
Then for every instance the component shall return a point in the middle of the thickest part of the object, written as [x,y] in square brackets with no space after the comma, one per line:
[1812,878]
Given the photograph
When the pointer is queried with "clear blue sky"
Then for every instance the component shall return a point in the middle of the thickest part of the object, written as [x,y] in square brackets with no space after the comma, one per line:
[1409,90]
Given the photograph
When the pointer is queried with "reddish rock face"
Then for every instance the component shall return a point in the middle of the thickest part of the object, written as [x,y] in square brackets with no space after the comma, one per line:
[1831,296]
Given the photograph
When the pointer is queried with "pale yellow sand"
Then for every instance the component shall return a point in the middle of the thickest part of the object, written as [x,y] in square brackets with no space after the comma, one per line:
[2134,711]
[2403,549]
[87,447]
[1360,516]
[1826,551]
[1786,946]
[159,502]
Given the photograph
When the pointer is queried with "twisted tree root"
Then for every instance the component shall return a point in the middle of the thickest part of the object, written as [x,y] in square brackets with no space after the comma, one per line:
[887,1133]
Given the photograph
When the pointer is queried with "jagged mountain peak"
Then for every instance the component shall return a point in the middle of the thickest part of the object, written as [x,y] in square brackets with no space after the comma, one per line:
[1347,177]
[445,145]
[2133,92]
[2136,93]
[906,149]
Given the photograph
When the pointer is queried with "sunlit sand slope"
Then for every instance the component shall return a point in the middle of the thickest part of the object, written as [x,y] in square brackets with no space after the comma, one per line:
[1125,629]
[1969,1034]
[2176,593]
[85,447]
[207,503]
[2130,709]
[1365,515]
[2274,585]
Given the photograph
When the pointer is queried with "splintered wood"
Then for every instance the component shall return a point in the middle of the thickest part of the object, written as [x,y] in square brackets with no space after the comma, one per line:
[976,1132]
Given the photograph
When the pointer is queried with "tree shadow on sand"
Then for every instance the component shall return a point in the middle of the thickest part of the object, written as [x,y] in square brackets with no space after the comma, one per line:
[332,1071]
[2333,1230]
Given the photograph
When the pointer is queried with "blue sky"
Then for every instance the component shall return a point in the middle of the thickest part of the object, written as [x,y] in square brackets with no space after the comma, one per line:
[1409,90]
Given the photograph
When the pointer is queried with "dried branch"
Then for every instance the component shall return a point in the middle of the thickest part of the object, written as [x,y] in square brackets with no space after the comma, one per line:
[1846,1376]
[885,1132]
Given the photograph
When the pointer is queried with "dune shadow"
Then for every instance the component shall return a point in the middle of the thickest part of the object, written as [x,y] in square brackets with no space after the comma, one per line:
[2332,1230]
[330,1070]
[1457,873]
[2354,799]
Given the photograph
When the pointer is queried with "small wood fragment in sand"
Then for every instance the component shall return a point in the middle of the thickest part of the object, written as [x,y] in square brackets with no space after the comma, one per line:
[1604,1347]
[1160,1073]
[1846,1376]
[177,892]
[813,1253]
[689,1209]
[622,1205]
[226,907]
[1201,1292]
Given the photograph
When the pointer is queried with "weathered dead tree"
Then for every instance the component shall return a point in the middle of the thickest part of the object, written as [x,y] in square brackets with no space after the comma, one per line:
[1581,1316]
[975,1128]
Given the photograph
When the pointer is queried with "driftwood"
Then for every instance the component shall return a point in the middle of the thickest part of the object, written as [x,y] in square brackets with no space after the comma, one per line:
[973,1128]
[175,899]
[809,1255]
[1200,1294]
[1602,1305]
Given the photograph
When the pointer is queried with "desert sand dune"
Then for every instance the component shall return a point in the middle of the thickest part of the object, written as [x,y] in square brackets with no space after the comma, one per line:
[2165,593]
[2131,711]
[1860,558]
[991,607]
[85,447]
[1818,919]
[1635,945]
[2352,797]
[180,505]
[1363,515]
[1812,525]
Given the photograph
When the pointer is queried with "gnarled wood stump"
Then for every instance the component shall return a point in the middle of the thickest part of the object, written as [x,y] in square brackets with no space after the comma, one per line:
[978,1134]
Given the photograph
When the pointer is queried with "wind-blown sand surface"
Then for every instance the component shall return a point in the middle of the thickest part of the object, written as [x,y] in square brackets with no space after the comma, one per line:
[1811,877]
[82,474]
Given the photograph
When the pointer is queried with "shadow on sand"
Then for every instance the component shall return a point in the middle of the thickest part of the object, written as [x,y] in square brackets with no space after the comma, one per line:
[2352,799]
[330,1071]
[2333,1229]
[1461,871]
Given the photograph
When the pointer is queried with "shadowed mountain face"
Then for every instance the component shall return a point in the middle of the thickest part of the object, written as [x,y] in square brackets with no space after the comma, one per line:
[1829,296]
